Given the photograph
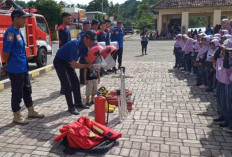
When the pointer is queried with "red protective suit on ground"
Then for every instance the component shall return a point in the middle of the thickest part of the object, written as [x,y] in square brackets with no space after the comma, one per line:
[86,134]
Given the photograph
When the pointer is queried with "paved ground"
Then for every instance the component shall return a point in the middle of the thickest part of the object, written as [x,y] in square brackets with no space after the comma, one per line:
[171,117]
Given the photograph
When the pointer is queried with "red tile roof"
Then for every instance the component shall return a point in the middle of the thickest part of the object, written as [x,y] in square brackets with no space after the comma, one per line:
[172,4]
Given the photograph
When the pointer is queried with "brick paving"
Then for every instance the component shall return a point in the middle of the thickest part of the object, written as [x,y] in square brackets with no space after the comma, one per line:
[171,117]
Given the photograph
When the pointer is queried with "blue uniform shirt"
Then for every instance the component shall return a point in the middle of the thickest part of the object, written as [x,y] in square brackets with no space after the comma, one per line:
[101,36]
[108,36]
[14,44]
[81,34]
[118,35]
[71,51]
[64,35]
[83,49]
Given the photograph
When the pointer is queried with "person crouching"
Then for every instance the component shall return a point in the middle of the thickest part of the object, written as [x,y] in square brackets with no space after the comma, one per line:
[65,63]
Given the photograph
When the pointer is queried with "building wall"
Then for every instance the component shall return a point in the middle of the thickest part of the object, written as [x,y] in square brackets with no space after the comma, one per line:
[74,33]
[90,16]
[194,10]
[185,13]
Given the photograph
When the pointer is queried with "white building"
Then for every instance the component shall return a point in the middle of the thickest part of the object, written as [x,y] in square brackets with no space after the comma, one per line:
[93,14]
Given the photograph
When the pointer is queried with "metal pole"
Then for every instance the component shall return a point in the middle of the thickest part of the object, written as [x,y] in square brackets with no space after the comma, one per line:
[102,11]
[123,94]
[78,18]
[118,12]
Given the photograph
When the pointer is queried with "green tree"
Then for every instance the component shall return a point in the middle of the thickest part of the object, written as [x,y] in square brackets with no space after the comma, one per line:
[113,10]
[129,9]
[152,2]
[21,4]
[144,17]
[98,16]
[197,22]
[96,5]
[49,9]
[31,4]
[81,6]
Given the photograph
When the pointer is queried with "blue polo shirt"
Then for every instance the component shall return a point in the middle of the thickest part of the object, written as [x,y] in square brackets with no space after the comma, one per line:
[70,51]
[64,35]
[118,35]
[14,44]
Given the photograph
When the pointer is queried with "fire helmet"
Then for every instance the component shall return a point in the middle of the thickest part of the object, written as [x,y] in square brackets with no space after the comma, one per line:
[108,50]
[94,52]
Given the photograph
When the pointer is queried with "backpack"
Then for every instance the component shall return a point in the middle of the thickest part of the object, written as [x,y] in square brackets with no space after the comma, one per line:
[87,136]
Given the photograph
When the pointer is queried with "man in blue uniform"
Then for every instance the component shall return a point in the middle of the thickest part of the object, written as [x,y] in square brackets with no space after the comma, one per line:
[83,49]
[108,36]
[118,35]
[64,30]
[86,27]
[14,54]
[64,34]
[101,34]
[94,25]
[101,37]
[65,63]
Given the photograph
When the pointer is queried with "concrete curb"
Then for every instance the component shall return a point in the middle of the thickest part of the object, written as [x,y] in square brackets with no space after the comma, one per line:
[33,74]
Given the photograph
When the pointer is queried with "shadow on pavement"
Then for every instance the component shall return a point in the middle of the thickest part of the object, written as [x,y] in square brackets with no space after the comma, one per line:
[139,56]
[215,142]
[39,132]
[49,98]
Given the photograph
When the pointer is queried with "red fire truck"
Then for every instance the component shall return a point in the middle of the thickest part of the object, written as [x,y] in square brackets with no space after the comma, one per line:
[36,33]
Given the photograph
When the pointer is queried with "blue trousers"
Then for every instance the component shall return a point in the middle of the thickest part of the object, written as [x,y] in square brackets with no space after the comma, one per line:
[229,106]
[69,81]
[209,74]
[177,59]
[201,77]
[195,69]
[182,59]
[82,61]
[224,108]
[118,55]
[188,62]
[20,89]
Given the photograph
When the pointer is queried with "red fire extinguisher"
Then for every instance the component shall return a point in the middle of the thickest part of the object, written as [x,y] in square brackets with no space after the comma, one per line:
[100,110]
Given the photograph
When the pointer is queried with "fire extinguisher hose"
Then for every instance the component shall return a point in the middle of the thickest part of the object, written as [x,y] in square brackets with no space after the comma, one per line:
[108,111]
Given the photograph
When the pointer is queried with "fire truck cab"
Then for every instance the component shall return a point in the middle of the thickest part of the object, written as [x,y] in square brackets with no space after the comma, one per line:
[36,34]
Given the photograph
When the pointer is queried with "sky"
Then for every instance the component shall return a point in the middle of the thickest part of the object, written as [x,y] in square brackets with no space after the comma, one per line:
[86,1]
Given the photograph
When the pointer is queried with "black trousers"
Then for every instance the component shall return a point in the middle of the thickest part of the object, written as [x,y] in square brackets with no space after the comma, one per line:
[188,62]
[209,74]
[69,81]
[118,55]
[144,46]
[20,88]
[82,61]
[177,59]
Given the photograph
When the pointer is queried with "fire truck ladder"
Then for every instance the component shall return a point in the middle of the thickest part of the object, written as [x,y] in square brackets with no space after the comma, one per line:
[31,38]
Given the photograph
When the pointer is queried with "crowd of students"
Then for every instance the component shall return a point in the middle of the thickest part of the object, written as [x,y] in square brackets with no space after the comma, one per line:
[208,58]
